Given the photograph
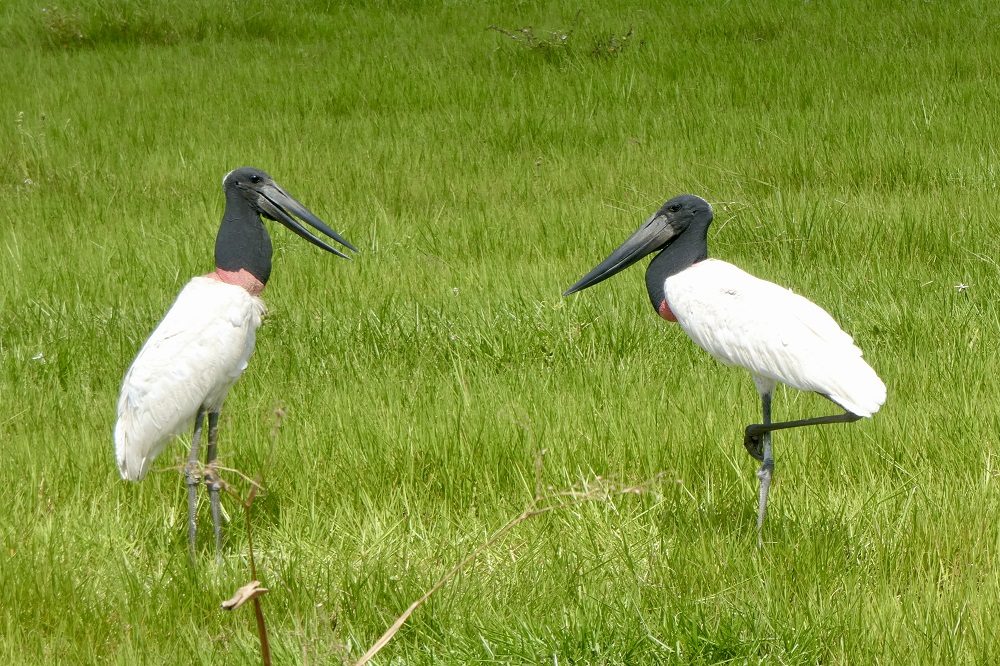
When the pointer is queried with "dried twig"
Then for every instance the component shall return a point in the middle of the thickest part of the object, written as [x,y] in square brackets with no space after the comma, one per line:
[598,490]
[243,595]
[530,39]
[253,590]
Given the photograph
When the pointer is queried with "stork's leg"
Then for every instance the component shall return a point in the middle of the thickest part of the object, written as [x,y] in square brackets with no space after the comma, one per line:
[757,440]
[212,479]
[752,439]
[766,467]
[191,476]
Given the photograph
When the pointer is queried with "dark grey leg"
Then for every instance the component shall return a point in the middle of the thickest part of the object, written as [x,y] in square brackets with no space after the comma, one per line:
[752,437]
[757,440]
[766,467]
[191,475]
[212,479]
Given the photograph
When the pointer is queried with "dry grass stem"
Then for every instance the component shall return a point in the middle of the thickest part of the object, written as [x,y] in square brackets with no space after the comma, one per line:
[597,489]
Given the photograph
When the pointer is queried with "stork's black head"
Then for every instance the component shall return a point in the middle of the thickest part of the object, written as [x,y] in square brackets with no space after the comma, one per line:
[681,212]
[267,198]
[683,218]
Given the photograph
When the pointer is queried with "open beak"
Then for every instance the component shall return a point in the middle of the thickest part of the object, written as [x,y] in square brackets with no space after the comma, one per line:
[278,205]
[655,234]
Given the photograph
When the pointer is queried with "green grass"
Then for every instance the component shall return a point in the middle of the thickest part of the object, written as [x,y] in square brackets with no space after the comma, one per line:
[851,150]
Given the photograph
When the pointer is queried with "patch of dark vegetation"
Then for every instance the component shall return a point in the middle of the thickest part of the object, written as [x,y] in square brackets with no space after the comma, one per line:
[91,25]
[73,28]
[556,45]
[61,28]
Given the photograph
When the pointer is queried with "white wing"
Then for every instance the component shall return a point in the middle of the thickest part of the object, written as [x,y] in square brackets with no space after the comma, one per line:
[774,333]
[192,358]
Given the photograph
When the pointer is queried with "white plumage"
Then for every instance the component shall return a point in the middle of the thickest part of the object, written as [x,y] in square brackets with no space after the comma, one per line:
[190,361]
[776,334]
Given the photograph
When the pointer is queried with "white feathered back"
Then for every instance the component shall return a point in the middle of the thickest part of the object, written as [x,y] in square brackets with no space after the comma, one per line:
[774,333]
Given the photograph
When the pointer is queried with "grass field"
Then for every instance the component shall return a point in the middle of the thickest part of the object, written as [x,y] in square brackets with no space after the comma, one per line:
[851,153]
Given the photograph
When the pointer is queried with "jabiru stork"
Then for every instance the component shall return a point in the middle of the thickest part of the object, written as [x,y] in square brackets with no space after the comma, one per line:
[203,344]
[742,320]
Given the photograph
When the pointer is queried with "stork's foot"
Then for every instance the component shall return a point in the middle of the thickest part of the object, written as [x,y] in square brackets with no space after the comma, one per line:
[753,441]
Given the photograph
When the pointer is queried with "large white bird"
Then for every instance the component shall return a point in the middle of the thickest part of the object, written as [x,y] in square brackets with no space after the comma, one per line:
[204,342]
[742,320]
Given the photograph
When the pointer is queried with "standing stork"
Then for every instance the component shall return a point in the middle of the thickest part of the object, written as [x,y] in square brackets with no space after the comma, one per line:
[204,342]
[742,320]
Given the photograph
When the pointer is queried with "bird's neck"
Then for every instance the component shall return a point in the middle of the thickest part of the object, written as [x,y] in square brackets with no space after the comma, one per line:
[689,248]
[241,278]
[243,246]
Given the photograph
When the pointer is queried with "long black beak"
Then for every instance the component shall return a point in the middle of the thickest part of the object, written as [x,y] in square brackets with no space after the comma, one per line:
[278,205]
[655,234]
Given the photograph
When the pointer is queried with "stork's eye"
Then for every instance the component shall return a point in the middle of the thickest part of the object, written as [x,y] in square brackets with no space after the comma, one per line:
[256,179]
